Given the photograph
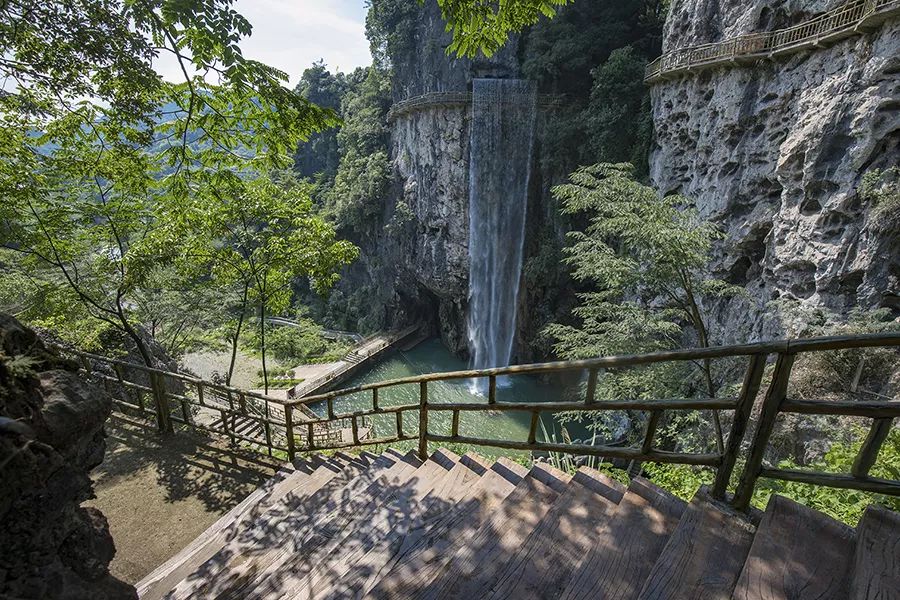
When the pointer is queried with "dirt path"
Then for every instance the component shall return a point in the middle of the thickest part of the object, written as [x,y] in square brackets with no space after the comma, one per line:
[159,493]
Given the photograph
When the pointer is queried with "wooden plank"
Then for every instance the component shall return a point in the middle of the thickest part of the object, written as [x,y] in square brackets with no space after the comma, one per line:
[542,566]
[309,565]
[876,570]
[626,550]
[474,566]
[868,484]
[797,554]
[416,567]
[230,570]
[705,555]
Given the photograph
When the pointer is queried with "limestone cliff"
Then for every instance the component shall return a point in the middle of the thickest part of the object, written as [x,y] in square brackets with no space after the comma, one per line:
[774,152]
[51,435]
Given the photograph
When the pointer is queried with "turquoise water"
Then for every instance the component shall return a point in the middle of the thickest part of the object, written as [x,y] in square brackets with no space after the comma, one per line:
[432,357]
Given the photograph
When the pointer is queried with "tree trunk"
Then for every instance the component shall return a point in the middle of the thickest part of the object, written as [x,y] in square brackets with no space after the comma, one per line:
[237,335]
[262,343]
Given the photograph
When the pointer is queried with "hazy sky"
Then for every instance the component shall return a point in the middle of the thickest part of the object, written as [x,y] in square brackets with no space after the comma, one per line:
[292,34]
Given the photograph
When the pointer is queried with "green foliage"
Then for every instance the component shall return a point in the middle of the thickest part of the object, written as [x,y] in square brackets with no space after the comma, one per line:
[98,154]
[881,189]
[391,29]
[485,26]
[318,157]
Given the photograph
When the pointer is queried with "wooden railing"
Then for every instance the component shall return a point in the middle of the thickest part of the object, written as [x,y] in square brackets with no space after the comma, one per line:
[293,426]
[727,452]
[240,415]
[446,99]
[843,21]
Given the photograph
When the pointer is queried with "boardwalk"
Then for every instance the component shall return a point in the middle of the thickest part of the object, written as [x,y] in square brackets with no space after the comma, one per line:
[849,19]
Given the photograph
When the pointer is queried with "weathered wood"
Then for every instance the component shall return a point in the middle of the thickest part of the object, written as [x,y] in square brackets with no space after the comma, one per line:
[625,552]
[749,390]
[492,389]
[704,556]
[867,484]
[289,432]
[355,429]
[454,425]
[532,428]
[473,567]
[797,554]
[399,416]
[775,396]
[423,420]
[587,450]
[872,410]
[591,386]
[665,404]
[868,453]
[375,399]
[650,431]
[876,571]
[541,567]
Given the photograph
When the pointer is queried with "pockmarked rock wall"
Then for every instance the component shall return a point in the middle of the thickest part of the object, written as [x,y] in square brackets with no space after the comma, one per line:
[775,154]
[51,436]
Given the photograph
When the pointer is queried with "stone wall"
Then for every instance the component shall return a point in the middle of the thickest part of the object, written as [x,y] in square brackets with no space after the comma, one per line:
[51,436]
[775,152]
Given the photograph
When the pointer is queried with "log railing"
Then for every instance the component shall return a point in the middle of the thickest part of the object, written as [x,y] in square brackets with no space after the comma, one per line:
[301,425]
[171,398]
[723,460]
[845,20]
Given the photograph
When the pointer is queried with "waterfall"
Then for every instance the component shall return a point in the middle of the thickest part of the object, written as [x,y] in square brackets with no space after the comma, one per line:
[502,127]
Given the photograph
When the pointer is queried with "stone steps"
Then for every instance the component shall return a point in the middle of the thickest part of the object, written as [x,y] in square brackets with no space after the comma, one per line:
[391,526]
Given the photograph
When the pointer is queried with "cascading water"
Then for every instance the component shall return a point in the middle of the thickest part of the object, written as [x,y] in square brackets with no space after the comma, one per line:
[503,115]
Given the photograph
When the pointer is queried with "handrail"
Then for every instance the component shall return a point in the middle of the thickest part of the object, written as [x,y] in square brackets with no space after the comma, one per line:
[840,22]
[607,362]
[317,433]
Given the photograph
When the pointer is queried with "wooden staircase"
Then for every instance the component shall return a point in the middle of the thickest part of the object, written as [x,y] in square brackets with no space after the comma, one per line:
[393,526]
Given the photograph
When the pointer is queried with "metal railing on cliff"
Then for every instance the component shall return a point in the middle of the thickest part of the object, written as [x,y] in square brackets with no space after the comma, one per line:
[848,19]
[304,431]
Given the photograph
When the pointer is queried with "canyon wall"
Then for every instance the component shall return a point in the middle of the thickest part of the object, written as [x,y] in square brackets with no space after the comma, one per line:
[775,153]
[51,436]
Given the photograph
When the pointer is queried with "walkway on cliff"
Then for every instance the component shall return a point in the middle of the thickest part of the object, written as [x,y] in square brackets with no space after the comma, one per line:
[849,19]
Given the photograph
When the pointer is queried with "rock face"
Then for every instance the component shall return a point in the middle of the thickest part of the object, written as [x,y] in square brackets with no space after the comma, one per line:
[775,153]
[51,436]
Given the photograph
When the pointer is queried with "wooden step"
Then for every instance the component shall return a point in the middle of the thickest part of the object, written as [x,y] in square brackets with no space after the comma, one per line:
[267,529]
[876,571]
[358,575]
[161,579]
[541,568]
[309,532]
[797,553]
[473,567]
[419,563]
[704,556]
[628,546]
[310,575]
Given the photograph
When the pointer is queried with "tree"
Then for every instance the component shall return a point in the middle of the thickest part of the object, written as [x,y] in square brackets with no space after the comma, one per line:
[645,260]
[97,152]
[260,235]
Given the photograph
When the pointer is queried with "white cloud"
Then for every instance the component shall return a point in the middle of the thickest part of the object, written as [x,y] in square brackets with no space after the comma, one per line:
[292,34]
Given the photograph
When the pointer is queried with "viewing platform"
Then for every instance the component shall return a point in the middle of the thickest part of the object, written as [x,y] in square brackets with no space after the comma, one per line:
[849,19]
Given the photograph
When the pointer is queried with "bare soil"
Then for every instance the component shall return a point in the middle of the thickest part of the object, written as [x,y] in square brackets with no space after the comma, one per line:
[160,492]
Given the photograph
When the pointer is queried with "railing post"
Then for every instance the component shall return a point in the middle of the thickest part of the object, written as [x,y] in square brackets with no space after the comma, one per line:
[775,395]
[749,390]
[423,420]
[868,453]
[163,418]
[289,431]
[591,386]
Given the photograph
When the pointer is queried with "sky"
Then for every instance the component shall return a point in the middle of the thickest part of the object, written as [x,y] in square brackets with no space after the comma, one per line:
[292,34]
